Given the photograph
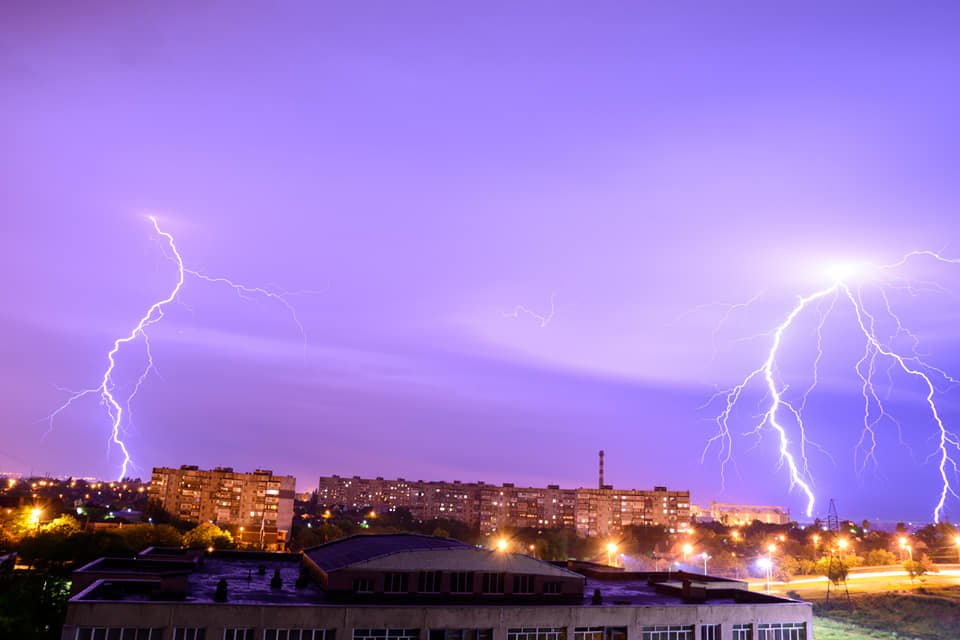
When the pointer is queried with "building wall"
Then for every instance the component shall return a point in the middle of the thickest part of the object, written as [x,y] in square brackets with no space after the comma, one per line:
[744,514]
[260,502]
[592,512]
[215,618]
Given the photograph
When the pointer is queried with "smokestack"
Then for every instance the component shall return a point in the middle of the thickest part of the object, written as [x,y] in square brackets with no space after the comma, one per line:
[601,469]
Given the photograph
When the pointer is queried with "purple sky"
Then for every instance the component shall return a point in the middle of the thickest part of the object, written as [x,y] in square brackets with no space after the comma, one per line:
[427,167]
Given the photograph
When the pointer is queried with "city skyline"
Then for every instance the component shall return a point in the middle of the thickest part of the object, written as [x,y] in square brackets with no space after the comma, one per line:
[511,238]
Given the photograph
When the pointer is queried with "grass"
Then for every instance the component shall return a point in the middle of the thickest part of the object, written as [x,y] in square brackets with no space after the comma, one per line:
[826,629]
[926,613]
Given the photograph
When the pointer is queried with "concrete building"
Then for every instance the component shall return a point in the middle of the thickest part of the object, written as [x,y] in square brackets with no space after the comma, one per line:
[258,504]
[738,515]
[591,512]
[408,587]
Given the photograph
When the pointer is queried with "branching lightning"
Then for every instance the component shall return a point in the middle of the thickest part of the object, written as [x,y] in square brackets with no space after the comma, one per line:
[543,319]
[117,408]
[786,418]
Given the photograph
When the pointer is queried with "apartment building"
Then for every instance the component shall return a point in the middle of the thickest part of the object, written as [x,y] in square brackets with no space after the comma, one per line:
[591,512]
[259,504]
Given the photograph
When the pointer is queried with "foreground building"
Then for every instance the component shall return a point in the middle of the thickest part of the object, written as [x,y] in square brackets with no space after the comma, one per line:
[258,505]
[591,512]
[409,587]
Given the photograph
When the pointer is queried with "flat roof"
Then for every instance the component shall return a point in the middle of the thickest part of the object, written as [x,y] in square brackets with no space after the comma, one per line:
[248,586]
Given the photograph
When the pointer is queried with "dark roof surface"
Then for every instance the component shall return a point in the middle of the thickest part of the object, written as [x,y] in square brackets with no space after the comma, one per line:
[343,553]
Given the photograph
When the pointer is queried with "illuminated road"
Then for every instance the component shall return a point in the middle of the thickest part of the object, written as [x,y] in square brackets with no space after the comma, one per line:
[865,580]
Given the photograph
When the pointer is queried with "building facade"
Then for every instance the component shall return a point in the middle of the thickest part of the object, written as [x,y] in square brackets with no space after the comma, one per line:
[405,587]
[738,515]
[259,504]
[591,512]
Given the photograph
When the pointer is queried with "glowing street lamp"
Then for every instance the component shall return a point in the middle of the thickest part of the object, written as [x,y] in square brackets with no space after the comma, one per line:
[736,535]
[35,517]
[956,541]
[842,543]
[705,557]
[611,549]
[766,564]
[687,550]
[502,544]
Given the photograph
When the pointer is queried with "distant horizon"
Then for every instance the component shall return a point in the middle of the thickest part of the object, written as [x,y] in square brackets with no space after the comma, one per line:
[888,522]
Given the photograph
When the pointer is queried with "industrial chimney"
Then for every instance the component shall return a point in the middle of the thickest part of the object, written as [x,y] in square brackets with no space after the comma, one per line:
[601,469]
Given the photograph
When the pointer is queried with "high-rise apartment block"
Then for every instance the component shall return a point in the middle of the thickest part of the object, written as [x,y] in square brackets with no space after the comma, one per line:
[258,504]
[591,512]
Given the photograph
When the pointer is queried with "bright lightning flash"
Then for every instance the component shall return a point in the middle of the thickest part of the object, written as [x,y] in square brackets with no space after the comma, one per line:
[786,417]
[107,390]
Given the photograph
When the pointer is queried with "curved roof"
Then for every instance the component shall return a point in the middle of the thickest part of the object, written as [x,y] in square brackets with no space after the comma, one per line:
[412,552]
[360,548]
[466,559]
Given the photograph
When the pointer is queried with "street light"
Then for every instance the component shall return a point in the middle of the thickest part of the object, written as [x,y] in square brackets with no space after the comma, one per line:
[35,517]
[766,564]
[502,544]
[687,550]
[611,549]
[956,541]
[843,544]
[705,558]
[902,541]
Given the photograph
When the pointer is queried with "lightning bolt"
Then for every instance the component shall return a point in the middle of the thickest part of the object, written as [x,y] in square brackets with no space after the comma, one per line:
[107,390]
[543,319]
[786,419]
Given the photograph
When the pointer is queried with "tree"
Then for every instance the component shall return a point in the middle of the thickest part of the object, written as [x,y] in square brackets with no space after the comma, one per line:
[207,535]
[833,568]
[305,537]
[915,568]
[879,557]
[141,536]
[331,532]
[64,525]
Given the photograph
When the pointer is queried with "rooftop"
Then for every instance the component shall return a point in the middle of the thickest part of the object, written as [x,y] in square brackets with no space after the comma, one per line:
[248,579]
[355,549]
